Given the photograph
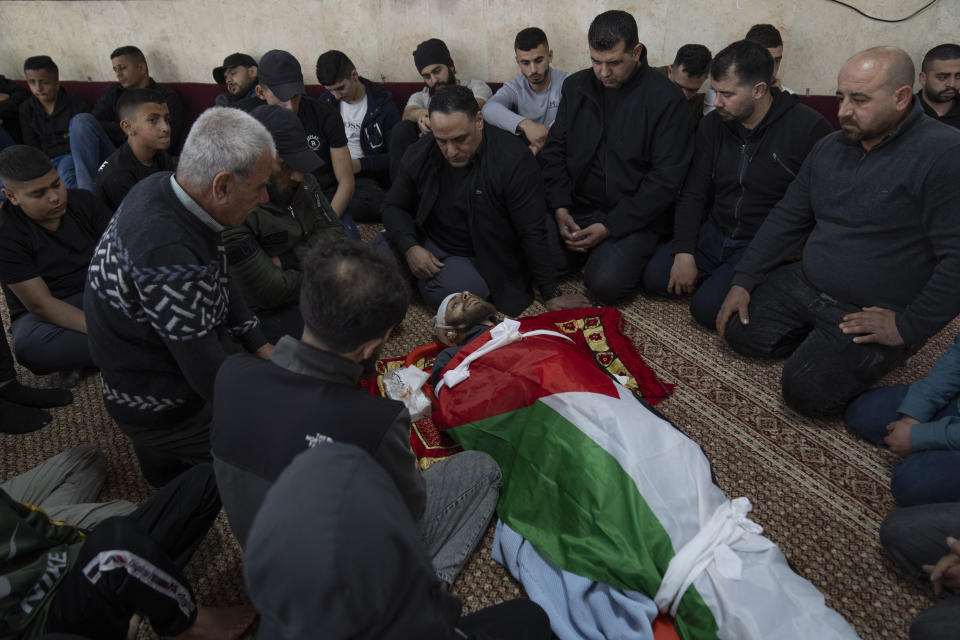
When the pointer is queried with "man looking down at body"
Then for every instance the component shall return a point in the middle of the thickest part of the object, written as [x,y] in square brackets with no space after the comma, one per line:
[746,155]
[467,212]
[162,311]
[527,105]
[614,161]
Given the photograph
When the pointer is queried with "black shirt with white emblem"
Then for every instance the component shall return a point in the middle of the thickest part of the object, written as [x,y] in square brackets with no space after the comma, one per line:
[122,170]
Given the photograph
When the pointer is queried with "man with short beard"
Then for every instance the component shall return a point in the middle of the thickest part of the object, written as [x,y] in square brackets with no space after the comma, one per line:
[266,251]
[746,154]
[939,82]
[527,105]
[239,72]
[267,412]
[876,205]
[435,66]
[460,318]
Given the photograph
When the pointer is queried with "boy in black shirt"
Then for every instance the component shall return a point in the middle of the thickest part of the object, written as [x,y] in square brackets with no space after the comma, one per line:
[145,118]
[47,237]
[45,116]
[94,136]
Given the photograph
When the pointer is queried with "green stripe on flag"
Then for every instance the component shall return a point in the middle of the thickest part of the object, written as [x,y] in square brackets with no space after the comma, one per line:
[575,503]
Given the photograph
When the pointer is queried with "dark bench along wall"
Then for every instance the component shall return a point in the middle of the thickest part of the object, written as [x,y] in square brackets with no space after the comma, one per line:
[198,96]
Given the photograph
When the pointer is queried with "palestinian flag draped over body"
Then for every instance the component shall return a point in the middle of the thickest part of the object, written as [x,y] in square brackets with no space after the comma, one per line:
[608,490]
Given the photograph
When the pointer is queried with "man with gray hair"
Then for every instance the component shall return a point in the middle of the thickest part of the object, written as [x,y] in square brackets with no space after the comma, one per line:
[161,311]
[875,204]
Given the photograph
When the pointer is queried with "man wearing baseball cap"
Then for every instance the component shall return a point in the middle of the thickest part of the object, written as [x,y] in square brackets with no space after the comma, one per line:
[281,84]
[434,64]
[239,73]
[264,252]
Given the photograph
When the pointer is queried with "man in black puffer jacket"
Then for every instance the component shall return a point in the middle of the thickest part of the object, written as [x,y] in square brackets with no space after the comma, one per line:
[614,161]
[466,212]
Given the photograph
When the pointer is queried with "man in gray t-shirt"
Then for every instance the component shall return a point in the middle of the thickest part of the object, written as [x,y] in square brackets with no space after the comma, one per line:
[527,105]
[433,62]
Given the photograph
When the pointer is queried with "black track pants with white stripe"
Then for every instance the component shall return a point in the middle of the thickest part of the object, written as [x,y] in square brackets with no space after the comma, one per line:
[134,564]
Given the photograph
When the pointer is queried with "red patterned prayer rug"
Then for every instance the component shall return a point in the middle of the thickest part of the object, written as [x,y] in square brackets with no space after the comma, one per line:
[599,331]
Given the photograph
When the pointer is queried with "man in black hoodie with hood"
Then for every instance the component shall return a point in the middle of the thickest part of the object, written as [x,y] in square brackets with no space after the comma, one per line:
[334,554]
[614,161]
[747,153]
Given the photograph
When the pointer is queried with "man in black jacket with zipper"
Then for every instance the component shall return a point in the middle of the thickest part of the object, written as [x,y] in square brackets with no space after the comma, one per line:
[614,161]
[747,153]
[875,205]
[466,211]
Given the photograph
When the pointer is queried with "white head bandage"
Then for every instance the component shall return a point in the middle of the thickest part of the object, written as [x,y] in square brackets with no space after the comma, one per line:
[440,320]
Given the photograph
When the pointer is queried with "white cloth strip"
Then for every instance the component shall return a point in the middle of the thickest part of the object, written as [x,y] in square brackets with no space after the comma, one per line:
[507,332]
[728,530]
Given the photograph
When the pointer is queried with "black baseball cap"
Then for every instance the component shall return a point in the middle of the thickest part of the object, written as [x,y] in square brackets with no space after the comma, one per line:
[289,136]
[280,71]
[231,61]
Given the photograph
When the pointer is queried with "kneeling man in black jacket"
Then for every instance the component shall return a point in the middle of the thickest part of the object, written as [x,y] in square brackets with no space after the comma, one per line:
[614,161]
[466,211]
[747,152]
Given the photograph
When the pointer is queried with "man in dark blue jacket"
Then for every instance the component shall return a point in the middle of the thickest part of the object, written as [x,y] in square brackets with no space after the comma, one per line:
[876,205]
[747,153]
[614,161]
[368,113]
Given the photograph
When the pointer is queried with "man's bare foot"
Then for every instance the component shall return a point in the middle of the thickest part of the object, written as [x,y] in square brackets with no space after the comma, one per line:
[219,623]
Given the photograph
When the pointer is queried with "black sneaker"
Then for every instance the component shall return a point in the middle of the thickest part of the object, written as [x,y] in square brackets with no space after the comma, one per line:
[16,418]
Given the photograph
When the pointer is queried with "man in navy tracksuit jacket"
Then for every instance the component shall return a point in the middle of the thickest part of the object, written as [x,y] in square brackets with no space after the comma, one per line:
[369,114]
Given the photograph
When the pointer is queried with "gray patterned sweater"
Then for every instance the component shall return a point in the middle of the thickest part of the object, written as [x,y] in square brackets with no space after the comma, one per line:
[161,311]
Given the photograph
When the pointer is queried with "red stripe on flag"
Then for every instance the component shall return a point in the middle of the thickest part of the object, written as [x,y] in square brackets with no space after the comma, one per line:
[517,375]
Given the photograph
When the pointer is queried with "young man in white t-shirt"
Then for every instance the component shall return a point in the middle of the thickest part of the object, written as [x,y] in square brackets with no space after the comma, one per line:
[369,115]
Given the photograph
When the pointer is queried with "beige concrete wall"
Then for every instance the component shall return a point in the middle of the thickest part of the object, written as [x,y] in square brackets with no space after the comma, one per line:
[185,39]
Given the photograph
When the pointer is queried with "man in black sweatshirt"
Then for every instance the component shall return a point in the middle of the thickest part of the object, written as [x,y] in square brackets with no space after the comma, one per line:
[747,153]
[876,204]
[614,161]
[466,212]
[161,311]
[45,116]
